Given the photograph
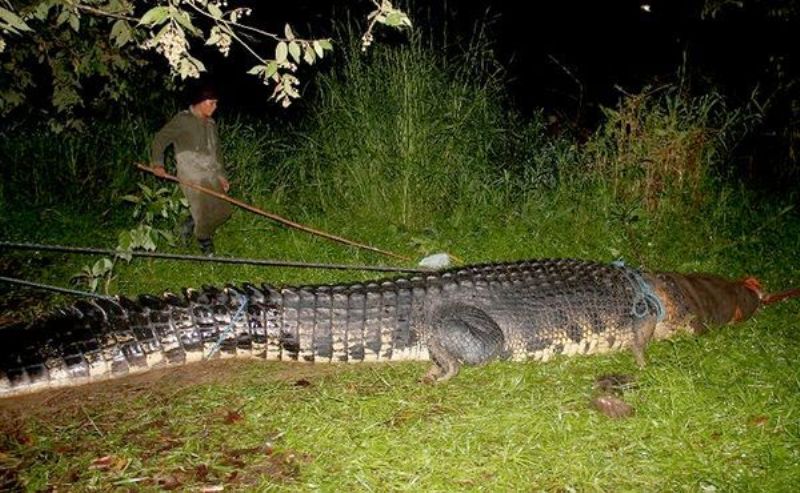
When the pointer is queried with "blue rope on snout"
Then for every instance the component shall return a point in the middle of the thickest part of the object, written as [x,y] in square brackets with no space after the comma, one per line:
[224,334]
[645,298]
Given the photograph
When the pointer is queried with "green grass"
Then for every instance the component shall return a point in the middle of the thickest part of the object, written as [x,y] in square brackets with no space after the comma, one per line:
[718,411]
[715,412]
[414,152]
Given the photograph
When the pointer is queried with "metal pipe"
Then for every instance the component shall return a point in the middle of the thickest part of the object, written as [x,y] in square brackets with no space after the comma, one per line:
[198,258]
[48,287]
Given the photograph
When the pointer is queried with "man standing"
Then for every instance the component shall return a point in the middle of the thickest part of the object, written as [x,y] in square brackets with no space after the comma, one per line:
[193,134]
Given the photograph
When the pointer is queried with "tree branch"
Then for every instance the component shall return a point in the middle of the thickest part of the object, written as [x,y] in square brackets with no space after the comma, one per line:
[227,23]
[103,13]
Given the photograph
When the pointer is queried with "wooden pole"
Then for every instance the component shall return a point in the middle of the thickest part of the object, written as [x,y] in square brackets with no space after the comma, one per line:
[272,216]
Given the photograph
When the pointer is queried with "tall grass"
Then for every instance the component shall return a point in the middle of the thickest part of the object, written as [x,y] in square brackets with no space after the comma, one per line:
[87,168]
[665,145]
[42,168]
[410,137]
[407,144]
[402,135]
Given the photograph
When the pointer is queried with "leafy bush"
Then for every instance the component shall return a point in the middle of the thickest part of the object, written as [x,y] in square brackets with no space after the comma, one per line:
[664,143]
[157,210]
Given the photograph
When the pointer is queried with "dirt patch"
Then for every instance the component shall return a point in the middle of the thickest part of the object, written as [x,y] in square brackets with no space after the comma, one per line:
[9,473]
[239,470]
[125,432]
[162,383]
[250,464]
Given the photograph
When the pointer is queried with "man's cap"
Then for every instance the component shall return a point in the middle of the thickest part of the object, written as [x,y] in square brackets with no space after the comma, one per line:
[201,93]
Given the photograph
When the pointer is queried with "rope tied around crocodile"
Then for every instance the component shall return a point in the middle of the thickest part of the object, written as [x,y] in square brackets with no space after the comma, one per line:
[645,299]
[243,300]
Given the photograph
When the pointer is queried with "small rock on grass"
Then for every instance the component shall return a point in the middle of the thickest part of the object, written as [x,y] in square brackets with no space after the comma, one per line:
[612,406]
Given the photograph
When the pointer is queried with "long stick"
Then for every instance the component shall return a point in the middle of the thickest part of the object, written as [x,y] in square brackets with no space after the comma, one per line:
[272,216]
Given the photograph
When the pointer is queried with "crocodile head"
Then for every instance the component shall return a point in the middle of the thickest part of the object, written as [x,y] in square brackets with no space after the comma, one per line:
[695,302]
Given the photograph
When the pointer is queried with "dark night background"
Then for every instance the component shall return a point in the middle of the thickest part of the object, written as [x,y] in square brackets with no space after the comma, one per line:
[569,58]
[603,44]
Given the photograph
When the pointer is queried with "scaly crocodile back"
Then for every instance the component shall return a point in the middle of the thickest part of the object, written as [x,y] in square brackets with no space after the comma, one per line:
[543,308]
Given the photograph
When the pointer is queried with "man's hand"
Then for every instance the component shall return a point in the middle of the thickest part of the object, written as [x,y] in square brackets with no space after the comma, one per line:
[225,184]
[159,171]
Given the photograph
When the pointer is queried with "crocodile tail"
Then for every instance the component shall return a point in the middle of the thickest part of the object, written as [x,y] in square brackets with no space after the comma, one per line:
[101,339]
[61,346]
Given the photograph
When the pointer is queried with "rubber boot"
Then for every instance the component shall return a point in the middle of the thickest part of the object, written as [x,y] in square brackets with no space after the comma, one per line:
[206,246]
[187,230]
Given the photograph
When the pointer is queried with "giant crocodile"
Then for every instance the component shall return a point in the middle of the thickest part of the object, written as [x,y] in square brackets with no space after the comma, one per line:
[527,310]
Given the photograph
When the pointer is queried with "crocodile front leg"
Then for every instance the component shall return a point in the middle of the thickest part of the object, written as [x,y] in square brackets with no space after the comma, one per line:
[461,334]
[643,330]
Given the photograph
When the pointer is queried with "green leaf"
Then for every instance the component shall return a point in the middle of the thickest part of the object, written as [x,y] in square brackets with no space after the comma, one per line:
[62,17]
[281,51]
[167,235]
[131,198]
[197,63]
[74,22]
[326,44]
[309,56]
[118,6]
[120,33]
[272,69]
[257,70]
[213,38]
[77,278]
[65,96]
[124,240]
[154,16]
[318,48]
[126,256]
[149,241]
[42,10]
[287,31]
[139,236]
[214,10]
[397,18]
[13,20]
[164,29]
[185,20]
[393,19]
[294,50]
